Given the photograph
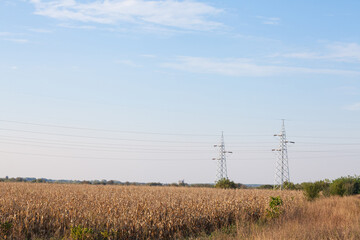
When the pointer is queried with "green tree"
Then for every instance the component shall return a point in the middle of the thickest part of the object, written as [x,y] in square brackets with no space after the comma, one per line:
[266,186]
[225,183]
[345,186]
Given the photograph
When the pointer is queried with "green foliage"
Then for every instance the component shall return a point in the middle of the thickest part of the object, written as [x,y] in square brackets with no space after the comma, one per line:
[40,180]
[266,186]
[104,235]
[241,186]
[81,233]
[289,186]
[324,185]
[5,229]
[202,185]
[225,183]
[345,186]
[275,203]
[154,184]
[311,190]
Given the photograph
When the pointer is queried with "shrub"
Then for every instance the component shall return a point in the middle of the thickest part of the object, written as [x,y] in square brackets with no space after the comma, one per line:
[266,186]
[289,185]
[345,186]
[275,203]
[311,190]
[225,183]
[324,186]
[154,184]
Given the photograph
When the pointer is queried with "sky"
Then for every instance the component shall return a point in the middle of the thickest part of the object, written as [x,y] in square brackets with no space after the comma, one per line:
[140,90]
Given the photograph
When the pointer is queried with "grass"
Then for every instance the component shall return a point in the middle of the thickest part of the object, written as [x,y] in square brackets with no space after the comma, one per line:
[326,218]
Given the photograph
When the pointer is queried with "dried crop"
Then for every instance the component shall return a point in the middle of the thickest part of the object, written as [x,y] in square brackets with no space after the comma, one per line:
[127,212]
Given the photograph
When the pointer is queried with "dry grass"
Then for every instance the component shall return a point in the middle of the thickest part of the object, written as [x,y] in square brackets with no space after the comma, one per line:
[326,218]
[51,210]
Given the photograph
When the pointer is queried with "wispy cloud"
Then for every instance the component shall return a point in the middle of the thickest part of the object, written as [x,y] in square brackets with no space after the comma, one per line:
[40,30]
[345,52]
[9,3]
[127,62]
[16,40]
[13,37]
[66,25]
[148,55]
[269,20]
[244,67]
[4,34]
[353,107]
[349,90]
[192,15]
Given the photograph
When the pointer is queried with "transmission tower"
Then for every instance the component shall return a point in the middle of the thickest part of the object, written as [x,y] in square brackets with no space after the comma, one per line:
[282,173]
[222,169]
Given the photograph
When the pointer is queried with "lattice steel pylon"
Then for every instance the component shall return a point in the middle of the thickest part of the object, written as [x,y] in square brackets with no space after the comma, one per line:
[222,169]
[282,173]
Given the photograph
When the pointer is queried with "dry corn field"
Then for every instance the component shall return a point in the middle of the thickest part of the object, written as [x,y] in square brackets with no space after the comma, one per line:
[65,211]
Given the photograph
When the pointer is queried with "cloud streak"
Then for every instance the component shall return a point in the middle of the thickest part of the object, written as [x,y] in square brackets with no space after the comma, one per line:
[4,34]
[269,20]
[343,52]
[190,15]
[17,40]
[353,107]
[39,30]
[244,67]
[12,37]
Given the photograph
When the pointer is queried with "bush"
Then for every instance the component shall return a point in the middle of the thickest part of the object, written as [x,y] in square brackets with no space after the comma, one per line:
[241,186]
[225,183]
[324,185]
[311,190]
[266,186]
[289,185]
[154,184]
[345,186]
[274,204]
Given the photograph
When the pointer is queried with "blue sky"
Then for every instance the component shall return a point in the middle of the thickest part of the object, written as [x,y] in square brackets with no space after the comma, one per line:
[155,82]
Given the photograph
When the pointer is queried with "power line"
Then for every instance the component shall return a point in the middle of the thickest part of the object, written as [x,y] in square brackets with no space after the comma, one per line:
[104,130]
[92,137]
[77,142]
[98,158]
[160,133]
[336,144]
[326,137]
[91,148]
[109,150]
[105,158]
[122,131]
